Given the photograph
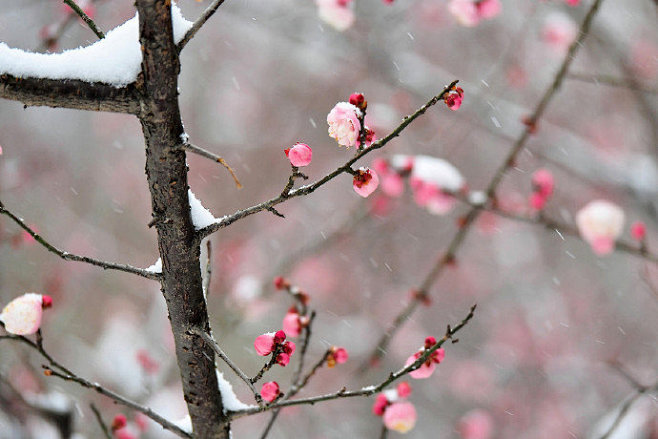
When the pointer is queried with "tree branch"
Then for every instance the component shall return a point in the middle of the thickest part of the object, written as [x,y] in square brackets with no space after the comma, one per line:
[448,255]
[210,10]
[71,257]
[345,168]
[99,33]
[215,158]
[70,93]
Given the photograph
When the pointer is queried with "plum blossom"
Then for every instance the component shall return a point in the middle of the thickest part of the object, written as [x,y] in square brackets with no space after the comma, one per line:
[600,223]
[119,422]
[427,368]
[365,181]
[469,13]
[358,100]
[337,356]
[400,417]
[638,231]
[22,316]
[559,31]
[270,391]
[542,185]
[300,154]
[476,424]
[265,344]
[344,123]
[336,13]
[292,325]
[454,98]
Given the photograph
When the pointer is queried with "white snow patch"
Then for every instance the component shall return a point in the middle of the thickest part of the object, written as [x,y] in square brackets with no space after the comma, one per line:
[432,170]
[184,424]
[477,198]
[115,60]
[201,217]
[229,398]
[156,267]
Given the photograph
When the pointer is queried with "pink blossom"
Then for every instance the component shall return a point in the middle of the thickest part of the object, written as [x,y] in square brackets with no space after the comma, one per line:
[270,391]
[600,223]
[400,417]
[393,184]
[404,389]
[336,13]
[344,124]
[147,362]
[358,100]
[476,424]
[559,31]
[454,99]
[337,356]
[125,434]
[465,12]
[380,404]
[22,316]
[543,182]
[299,154]
[538,201]
[264,344]
[427,368]
[119,422]
[291,323]
[283,359]
[365,182]
[638,231]
[572,2]
[488,9]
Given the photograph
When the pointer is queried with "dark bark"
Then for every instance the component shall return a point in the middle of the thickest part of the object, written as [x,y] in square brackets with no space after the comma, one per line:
[177,239]
[70,93]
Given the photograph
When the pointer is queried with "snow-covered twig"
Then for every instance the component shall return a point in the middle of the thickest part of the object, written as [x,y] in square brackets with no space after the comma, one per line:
[71,257]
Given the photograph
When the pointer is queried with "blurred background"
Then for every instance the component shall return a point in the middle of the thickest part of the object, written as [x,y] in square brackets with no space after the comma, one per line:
[555,323]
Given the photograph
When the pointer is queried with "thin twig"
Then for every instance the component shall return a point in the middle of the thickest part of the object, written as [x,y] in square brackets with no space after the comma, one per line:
[345,168]
[448,255]
[613,81]
[71,257]
[67,375]
[100,421]
[95,29]
[220,353]
[267,366]
[215,158]
[208,271]
[366,391]
[210,10]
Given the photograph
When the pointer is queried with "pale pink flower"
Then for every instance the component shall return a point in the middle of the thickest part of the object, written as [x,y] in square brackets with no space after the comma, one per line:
[600,223]
[336,13]
[465,12]
[400,417]
[344,123]
[291,323]
[638,231]
[264,344]
[404,389]
[22,316]
[476,424]
[299,154]
[365,182]
[270,391]
[488,9]
[427,368]
[559,31]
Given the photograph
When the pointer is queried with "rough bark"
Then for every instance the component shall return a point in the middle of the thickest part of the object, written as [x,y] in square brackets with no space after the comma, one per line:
[69,93]
[178,242]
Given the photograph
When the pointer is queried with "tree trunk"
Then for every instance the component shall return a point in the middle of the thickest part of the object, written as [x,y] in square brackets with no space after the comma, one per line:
[178,242]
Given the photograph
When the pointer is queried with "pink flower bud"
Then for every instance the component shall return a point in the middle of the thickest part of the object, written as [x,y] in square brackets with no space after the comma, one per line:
[119,422]
[543,182]
[22,316]
[358,100]
[600,223]
[487,9]
[538,201]
[454,99]
[429,342]
[279,336]
[404,389]
[638,231]
[365,182]
[292,324]
[46,301]
[264,344]
[270,391]
[299,154]
[289,347]
[283,359]
[280,283]
[400,417]
[380,404]
[340,355]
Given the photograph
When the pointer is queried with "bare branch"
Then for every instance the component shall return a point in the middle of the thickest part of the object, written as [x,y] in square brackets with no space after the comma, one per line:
[345,168]
[612,81]
[94,28]
[215,158]
[210,10]
[100,421]
[71,257]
